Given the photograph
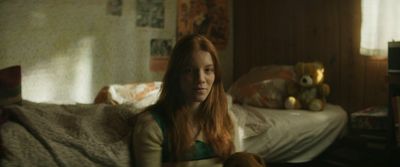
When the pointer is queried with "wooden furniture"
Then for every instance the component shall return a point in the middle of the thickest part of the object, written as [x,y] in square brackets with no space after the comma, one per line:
[394,115]
[370,147]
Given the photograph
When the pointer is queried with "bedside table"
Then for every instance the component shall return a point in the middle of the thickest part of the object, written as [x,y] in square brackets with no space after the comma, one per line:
[351,151]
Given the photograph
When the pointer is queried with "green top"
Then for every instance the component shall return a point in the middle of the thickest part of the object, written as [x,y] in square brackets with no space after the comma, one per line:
[201,149]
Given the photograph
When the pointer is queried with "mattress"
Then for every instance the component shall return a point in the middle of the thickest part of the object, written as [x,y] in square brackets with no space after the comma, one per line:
[292,136]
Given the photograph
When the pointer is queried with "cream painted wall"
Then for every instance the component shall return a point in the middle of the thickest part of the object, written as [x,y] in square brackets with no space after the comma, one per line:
[69,49]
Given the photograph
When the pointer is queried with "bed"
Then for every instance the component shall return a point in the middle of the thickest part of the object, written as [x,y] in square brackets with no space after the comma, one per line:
[294,136]
[98,134]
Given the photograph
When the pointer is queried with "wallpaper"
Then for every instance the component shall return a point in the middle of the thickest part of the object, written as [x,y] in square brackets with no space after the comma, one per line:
[70,49]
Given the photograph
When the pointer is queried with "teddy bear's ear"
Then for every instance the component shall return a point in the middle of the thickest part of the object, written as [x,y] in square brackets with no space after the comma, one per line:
[319,65]
[298,68]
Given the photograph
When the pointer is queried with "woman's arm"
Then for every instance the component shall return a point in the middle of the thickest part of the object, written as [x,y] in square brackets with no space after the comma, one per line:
[147,140]
[236,134]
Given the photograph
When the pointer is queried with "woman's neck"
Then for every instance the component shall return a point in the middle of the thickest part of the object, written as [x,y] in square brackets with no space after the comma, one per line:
[194,107]
[193,110]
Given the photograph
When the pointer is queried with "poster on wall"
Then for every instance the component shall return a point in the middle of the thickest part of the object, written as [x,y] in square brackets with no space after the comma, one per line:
[207,17]
[160,49]
[150,13]
[114,7]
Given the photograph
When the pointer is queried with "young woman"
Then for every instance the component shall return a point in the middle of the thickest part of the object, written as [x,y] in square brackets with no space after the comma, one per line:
[190,124]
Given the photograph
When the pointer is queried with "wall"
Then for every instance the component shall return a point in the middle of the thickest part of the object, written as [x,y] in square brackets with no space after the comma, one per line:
[69,49]
[289,31]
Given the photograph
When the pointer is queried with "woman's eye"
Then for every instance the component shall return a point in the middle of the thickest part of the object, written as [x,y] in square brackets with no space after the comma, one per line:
[209,70]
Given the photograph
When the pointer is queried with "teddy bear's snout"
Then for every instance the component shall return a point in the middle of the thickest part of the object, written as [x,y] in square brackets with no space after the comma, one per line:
[306,81]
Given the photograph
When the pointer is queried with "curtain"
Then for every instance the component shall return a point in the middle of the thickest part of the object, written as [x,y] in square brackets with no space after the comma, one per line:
[380,24]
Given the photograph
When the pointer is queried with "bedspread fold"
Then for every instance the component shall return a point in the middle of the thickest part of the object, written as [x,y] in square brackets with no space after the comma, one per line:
[67,135]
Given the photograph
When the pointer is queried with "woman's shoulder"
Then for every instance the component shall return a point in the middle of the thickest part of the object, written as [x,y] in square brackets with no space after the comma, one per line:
[145,116]
[145,120]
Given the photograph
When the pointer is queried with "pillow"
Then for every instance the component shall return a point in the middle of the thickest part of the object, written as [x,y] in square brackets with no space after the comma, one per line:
[263,86]
[139,94]
[10,85]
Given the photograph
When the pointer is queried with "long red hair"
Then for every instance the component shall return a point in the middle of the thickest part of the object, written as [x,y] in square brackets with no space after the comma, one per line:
[213,116]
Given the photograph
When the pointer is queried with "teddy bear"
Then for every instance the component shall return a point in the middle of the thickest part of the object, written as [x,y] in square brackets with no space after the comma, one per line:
[308,91]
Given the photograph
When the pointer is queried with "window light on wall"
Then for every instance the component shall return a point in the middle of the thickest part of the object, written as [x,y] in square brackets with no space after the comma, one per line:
[380,24]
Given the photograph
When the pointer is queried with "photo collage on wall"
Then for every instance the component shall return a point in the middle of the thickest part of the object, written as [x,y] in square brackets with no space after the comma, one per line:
[160,50]
[114,7]
[150,14]
[206,17]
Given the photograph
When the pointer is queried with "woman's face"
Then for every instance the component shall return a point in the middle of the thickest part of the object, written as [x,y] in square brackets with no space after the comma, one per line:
[198,77]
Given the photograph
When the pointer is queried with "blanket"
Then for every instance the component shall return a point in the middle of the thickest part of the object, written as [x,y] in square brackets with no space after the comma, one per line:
[67,135]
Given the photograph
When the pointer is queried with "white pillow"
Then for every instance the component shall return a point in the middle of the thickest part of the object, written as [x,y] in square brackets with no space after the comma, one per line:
[140,95]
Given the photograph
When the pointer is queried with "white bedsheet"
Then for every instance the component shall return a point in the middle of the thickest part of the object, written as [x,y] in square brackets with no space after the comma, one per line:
[288,135]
